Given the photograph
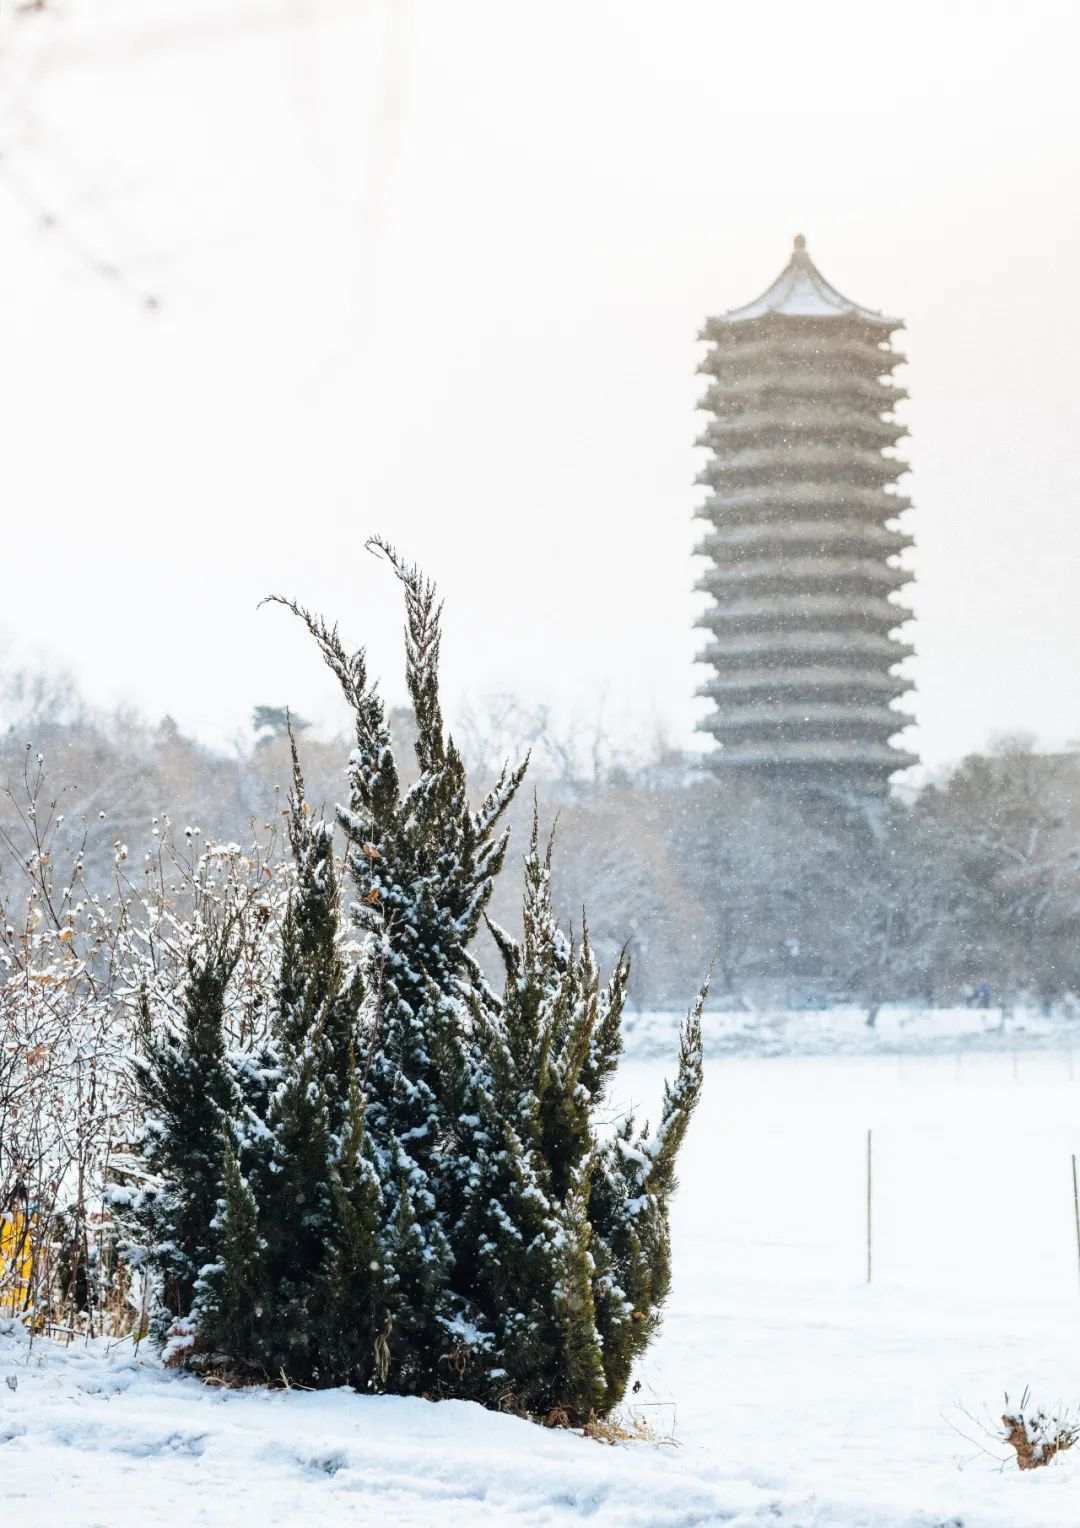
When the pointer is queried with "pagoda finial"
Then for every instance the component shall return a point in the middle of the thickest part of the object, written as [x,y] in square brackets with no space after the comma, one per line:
[800,243]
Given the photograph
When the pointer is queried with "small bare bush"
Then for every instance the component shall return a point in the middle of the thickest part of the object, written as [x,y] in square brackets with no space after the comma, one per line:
[75,965]
[1036,1435]
[619,1428]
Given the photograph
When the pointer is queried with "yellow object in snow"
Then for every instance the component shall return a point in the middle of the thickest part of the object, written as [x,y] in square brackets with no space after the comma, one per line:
[16,1262]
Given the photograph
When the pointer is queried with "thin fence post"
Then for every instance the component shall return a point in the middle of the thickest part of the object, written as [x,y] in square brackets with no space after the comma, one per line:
[1076,1211]
[870,1202]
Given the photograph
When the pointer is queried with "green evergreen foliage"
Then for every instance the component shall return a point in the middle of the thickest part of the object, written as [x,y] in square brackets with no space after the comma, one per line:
[409,1188]
[304,1223]
[232,1293]
[634,1182]
[352,1297]
[422,863]
[187,1091]
[572,1294]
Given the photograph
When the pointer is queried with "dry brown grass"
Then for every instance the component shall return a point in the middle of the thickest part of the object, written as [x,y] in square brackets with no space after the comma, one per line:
[1031,1454]
[1036,1436]
[613,1429]
[618,1429]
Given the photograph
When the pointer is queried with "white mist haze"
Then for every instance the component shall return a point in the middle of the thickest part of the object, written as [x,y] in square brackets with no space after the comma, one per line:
[436,270]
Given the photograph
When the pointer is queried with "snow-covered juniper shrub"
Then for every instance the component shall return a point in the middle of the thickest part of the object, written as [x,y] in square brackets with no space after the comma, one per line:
[405,1184]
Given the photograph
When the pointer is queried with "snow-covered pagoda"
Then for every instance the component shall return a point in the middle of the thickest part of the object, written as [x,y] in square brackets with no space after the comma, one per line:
[802,541]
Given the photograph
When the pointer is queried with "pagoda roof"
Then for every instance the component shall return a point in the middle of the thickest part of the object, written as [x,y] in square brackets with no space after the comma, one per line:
[801,291]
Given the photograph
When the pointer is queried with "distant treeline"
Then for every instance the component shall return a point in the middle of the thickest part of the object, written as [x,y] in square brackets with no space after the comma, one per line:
[970,890]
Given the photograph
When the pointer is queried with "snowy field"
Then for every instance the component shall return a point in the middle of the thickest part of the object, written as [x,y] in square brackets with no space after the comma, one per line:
[796,1395]
[783,1360]
[844,1031]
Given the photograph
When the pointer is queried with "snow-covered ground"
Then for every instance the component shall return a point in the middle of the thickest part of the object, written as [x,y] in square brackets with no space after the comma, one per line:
[834,1031]
[797,1395]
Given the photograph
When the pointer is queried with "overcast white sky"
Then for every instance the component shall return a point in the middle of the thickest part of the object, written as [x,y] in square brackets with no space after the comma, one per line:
[435,268]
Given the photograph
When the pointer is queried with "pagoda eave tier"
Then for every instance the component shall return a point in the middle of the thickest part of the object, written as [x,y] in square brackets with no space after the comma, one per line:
[800,429]
[855,756]
[792,576]
[811,713]
[762,359]
[807,682]
[778,647]
[783,328]
[819,467]
[780,386]
[781,500]
[813,610]
[737,542]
